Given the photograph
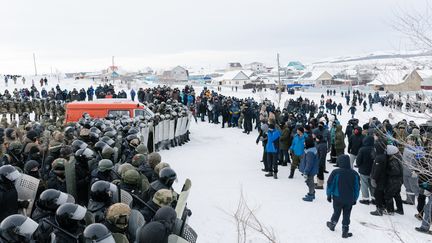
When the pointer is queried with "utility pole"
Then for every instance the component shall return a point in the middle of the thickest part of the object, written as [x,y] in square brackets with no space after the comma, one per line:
[34,62]
[279,81]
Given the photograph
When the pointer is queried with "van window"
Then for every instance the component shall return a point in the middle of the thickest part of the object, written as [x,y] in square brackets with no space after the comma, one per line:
[139,113]
[145,112]
[118,113]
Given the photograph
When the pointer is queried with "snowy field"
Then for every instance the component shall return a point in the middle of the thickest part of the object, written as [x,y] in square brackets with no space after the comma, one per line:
[223,162]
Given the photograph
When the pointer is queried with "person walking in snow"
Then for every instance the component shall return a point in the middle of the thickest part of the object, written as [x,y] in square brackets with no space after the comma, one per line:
[271,149]
[343,188]
[364,105]
[321,146]
[353,110]
[309,168]
[339,109]
[364,163]
[297,150]
[132,94]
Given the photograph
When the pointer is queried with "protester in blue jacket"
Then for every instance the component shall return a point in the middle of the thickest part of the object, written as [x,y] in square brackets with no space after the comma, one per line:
[309,168]
[272,150]
[132,94]
[297,149]
[343,188]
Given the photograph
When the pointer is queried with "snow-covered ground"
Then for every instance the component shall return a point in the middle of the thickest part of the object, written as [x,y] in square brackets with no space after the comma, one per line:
[223,162]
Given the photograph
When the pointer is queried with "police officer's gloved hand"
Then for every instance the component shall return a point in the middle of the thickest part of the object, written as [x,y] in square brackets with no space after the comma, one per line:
[23,204]
[329,199]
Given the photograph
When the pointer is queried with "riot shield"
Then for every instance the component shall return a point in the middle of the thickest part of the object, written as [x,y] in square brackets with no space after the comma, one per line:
[145,133]
[166,130]
[27,187]
[184,124]
[189,121]
[136,221]
[160,131]
[126,198]
[156,134]
[176,239]
[178,126]
[171,129]
[70,177]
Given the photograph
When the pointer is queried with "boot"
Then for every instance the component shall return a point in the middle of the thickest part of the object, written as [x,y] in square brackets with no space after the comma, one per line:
[331,225]
[269,174]
[422,230]
[418,216]
[377,212]
[275,175]
[291,174]
[364,201]
[309,197]
[345,233]
[320,185]
[399,211]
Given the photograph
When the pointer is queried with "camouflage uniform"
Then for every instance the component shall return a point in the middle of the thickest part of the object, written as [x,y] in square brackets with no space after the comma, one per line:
[18,106]
[3,107]
[37,110]
[12,109]
[42,106]
[53,110]
[27,106]
[9,105]
[61,109]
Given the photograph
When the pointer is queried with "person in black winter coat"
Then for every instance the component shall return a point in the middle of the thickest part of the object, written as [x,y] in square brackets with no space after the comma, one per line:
[394,180]
[343,187]
[378,174]
[364,163]
[321,146]
[355,142]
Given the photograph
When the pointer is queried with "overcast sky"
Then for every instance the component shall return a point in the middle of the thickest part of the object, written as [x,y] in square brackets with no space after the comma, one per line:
[82,35]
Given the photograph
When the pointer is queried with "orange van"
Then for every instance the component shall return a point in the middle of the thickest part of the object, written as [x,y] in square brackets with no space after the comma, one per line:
[104,107]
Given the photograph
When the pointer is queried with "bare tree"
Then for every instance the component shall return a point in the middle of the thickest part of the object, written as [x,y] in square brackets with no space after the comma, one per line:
[246,221]
[416,25]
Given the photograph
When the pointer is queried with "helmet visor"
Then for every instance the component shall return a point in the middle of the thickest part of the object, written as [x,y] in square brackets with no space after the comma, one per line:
[28,228]
[79,213]
[109,239]
[13,176]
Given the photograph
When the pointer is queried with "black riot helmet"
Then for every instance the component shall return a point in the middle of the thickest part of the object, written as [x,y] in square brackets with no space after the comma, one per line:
[108,141]
[167,176]
[69,215]
[103,191]
[51,199]
[100,125]
[17,228]
[93,137]
[95,130]
[99,146]
[132,130]
[9,174]
[98,233]
[78,144]
[84,155]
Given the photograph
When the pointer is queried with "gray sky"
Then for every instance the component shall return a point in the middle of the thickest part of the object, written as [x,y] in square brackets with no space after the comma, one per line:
[83,35]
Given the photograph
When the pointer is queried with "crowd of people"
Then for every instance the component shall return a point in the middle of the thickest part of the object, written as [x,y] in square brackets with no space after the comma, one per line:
[99,180]
[373,159]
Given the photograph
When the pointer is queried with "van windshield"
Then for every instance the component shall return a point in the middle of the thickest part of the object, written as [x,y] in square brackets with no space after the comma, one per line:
[119,113]
[144,112]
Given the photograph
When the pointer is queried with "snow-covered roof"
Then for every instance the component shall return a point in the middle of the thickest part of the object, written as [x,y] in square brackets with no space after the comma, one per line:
[390,77]
[312,75]
[237,74]
[248,73]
